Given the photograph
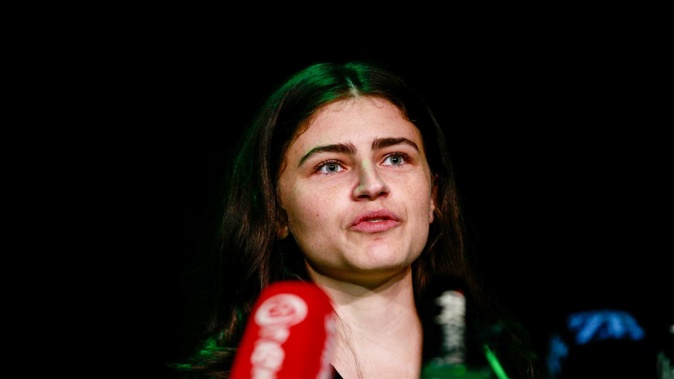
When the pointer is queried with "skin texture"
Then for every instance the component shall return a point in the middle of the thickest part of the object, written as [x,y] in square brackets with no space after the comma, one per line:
[325,192]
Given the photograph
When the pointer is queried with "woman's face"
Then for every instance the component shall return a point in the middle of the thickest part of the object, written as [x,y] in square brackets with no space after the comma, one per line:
[357,191]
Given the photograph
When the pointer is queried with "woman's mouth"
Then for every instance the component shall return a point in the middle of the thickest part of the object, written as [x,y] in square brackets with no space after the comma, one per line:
[375,221]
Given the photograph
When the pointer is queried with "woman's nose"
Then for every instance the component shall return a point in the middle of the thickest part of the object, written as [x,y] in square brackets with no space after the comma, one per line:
[370,184]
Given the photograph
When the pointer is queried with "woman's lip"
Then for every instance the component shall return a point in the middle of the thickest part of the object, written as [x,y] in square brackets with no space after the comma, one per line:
[375,221]
[375,226]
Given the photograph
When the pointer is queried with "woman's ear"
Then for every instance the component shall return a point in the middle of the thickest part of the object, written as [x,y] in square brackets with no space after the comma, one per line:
[282,232]
[434,194]
[282,229]
[430,214]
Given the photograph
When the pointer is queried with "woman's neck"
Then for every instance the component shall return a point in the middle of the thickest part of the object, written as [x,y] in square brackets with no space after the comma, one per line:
[379,333]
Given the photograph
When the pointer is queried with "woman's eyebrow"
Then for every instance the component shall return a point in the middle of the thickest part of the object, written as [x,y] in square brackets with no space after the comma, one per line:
[336,148]
[349,148]
[381,143]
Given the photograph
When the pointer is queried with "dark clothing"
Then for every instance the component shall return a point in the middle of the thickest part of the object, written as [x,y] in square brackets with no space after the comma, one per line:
[337,376]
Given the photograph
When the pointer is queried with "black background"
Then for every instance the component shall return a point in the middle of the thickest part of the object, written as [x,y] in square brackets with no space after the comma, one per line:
[560,139]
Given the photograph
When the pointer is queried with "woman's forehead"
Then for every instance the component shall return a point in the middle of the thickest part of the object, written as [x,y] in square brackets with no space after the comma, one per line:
[360,116]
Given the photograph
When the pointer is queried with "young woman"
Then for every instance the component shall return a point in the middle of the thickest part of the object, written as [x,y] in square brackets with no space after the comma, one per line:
[344,179]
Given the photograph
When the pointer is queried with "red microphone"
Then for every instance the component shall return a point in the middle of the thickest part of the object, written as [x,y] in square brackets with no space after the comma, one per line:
[290,335]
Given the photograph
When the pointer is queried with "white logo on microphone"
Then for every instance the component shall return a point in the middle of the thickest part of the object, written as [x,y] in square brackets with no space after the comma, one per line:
[275,316]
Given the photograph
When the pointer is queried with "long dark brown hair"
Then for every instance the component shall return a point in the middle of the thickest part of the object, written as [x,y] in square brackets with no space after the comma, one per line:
[250,255]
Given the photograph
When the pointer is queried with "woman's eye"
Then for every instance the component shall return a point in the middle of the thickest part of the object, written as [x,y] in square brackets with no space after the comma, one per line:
[395,159]
[329,167]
